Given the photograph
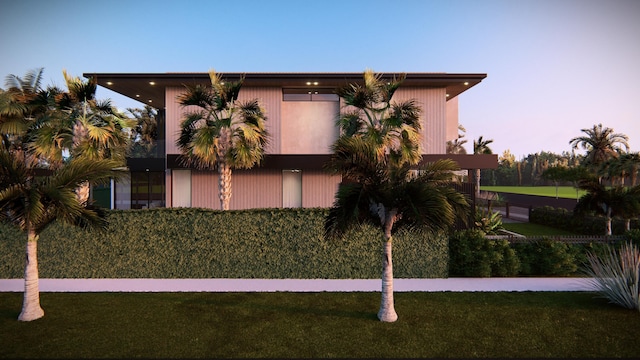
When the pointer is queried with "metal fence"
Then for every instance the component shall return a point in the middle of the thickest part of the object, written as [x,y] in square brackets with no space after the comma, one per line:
[572,239]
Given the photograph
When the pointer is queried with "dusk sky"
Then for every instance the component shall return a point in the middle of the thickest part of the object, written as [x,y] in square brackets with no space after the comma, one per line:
[553,67]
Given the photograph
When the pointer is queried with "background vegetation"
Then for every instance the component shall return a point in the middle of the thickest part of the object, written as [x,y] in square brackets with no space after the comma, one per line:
[199,243]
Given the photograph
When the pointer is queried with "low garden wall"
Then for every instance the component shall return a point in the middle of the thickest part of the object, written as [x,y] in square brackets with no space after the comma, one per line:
[200,243]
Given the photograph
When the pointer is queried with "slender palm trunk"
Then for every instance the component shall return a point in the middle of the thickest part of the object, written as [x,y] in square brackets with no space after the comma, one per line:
[477,183]
[627,224]
[224,184]
[609,222]
[82,192]
[31,309]
[387,312]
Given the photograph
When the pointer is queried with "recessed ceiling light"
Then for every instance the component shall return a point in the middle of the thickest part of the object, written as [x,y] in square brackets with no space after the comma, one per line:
[466,83]
[152,82]
[150,100]
[447,95]
[137,95]
[109,83]
[315,83]
[308,82]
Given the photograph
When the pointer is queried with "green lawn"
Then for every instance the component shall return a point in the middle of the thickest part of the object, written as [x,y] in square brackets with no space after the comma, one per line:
[531,229]
[568,192]
[305,325]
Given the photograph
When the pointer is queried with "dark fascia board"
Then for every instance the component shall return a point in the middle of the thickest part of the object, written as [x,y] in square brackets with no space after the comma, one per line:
[137,86]
[316,162]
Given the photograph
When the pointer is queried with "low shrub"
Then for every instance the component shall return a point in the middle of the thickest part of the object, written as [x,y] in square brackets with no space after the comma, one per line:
[471,254]
[547,257]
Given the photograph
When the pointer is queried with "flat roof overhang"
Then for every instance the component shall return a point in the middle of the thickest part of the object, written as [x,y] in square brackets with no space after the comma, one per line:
[149,88]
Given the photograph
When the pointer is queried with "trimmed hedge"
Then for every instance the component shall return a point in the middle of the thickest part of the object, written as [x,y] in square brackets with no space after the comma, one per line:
[202,243]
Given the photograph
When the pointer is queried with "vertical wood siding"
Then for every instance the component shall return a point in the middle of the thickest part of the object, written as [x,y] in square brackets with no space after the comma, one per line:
[432,101]
[173,114]
[318,188]
[270,99]
[204,189]
[452,119]
[257,188]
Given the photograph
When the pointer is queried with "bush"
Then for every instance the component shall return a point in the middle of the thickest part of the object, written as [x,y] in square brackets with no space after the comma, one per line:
[547,257]
[203,243]
[616,275]
[471,254]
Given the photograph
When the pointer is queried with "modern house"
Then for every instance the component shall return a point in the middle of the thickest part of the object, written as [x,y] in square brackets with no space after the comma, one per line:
[301,111]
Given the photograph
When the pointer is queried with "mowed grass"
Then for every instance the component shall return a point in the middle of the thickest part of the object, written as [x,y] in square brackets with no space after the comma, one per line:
[313,325]
[531,229]
[568,192]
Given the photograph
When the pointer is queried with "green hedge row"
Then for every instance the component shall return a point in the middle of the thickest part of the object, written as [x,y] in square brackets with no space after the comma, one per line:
[585,225]
[473,255]
[200,243]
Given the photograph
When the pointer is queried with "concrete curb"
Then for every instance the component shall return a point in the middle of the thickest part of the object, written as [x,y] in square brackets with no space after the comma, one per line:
[302,285]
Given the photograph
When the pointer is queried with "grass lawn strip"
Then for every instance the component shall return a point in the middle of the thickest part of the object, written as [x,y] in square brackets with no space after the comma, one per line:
[567,192]
[304,325]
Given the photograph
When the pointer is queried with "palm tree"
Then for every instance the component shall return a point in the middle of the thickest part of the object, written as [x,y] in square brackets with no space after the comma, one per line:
[221,133]
[80,126]
[457,146]
[390,195]
[624,166]
[480,146]
[21,105]
[609,201]
[145,132]
[600,144]
[392,128]
[378,146]
[34,202]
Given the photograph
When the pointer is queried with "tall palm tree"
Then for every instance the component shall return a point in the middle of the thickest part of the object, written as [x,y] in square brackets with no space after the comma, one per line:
[22,104]
[221,132]
[392,128]
[625,165]
[609,201]
[145,132]
[456,146]
[390,195]
[34,202]
[378,147]
[601,143]
[480,146]
[79,125]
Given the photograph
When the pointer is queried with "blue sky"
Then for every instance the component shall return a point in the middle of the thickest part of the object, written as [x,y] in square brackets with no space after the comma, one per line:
[554,66]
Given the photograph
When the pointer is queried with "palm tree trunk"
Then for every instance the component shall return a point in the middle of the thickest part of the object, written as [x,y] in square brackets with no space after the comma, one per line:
[477,183]
[31,309]
[387,312]
[224,184]
[82,193]
[627,224]
[609,222]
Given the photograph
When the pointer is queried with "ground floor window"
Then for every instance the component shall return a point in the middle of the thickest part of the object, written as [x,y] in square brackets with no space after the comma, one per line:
[140,190]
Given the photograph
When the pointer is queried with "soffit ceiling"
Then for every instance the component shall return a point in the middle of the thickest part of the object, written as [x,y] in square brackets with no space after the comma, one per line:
[149,88]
